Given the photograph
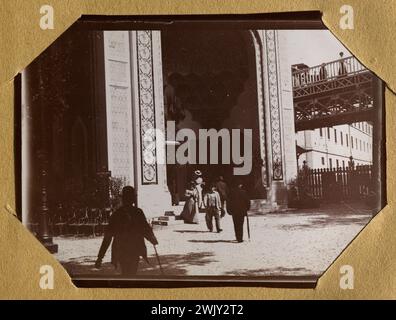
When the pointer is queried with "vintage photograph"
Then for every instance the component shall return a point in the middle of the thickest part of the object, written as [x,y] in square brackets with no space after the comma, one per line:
[199,151]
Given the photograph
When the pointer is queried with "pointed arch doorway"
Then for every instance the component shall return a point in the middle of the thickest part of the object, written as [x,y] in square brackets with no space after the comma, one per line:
[211,81]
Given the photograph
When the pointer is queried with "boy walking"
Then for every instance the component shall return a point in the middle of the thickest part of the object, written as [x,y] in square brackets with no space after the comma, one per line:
[212,204]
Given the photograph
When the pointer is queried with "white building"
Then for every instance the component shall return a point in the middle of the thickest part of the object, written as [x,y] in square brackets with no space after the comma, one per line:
[332,147]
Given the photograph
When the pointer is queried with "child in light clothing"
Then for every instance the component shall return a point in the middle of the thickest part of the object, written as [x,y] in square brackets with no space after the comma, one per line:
[212,204]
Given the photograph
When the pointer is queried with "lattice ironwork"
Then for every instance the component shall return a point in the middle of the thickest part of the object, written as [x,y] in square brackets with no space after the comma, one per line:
[331,94]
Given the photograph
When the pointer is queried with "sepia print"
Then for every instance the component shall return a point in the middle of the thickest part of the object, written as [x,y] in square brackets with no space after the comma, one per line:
[199,151]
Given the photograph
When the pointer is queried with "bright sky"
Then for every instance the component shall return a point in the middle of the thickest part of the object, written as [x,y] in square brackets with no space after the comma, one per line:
[313,47]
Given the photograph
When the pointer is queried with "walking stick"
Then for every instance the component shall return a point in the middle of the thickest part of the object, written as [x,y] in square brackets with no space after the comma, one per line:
[248,226]
[158,259]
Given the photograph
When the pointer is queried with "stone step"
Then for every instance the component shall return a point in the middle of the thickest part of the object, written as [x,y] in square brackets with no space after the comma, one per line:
[168,218]
[167,223]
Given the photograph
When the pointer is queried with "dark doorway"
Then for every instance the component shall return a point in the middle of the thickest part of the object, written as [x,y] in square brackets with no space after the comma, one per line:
[210,81]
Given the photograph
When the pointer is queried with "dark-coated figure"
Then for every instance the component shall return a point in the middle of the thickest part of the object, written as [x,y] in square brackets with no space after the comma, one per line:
[127,228]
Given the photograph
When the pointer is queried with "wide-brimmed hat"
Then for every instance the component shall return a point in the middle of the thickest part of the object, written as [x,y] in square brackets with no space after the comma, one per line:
[198,173]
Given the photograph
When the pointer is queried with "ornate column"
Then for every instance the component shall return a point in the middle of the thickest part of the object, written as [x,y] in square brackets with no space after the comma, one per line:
[118,105]
[134,108]
[279,117]
[149,121]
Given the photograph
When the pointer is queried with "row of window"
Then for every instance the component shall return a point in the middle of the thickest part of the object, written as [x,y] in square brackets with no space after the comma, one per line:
[355,142]
[336,162]
[363,126]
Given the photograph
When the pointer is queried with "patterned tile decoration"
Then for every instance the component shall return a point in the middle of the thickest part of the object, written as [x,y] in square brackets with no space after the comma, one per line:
[274,105]
[118,104]
[146,107]
[260,90]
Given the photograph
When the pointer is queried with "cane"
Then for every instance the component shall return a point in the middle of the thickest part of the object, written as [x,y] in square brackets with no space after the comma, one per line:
[247,224]
[158,259]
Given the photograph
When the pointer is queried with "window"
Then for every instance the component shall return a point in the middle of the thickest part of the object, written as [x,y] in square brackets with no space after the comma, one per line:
[351,142]
[337,163]
[323,162]
[328,133]
[346,140]
[364,146]
[360,142]
[343,163]
[330,163]
[342,138]
[320,132]
[356,145]
[335,135]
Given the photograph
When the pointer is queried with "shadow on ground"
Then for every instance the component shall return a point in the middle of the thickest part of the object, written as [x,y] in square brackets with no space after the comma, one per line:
[191,231]
[213,241]
[172,264]
[281,272]
[324,220]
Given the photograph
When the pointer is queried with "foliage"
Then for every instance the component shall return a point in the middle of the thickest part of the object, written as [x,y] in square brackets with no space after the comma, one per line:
[115,185]
[299,195]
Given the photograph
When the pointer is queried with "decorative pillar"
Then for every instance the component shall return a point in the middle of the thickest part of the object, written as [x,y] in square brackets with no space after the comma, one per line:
[259,50]
[118,88]
[149,121]
[279,117]
[134,110]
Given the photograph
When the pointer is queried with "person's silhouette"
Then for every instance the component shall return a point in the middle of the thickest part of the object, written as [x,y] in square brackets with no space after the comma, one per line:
[128,226]
[342,71]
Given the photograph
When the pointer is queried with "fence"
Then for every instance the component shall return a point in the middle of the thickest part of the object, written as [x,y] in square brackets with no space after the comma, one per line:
[82,221]
[338,183]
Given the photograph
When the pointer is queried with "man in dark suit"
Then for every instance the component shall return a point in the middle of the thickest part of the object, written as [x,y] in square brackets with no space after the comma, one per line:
[222,189]
[238,206]
[128,226]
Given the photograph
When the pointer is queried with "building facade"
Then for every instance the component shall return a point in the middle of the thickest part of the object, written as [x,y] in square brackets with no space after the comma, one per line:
[333,147]
[95,119]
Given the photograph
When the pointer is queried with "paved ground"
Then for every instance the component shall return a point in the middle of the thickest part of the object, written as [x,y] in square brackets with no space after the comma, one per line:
[303,242]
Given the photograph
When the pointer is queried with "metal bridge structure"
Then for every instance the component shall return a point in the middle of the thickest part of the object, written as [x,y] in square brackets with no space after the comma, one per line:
[333,93]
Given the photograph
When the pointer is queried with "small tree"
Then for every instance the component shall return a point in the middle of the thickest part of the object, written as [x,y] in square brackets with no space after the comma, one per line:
[299,192]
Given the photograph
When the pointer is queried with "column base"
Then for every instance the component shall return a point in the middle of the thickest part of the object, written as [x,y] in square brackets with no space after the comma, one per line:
[277,195]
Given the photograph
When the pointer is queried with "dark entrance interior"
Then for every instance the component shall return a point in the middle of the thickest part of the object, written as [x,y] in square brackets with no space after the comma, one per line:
[210,82]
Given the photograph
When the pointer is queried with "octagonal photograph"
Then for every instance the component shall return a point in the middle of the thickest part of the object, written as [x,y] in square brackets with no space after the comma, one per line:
[203,151]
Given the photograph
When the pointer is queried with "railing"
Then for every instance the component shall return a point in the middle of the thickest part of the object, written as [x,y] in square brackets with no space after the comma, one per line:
[337,183]
[327,72]
[81,221]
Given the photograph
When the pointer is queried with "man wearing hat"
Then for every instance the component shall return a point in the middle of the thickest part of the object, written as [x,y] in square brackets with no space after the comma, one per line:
[199,183]
[128,226]
[238,206]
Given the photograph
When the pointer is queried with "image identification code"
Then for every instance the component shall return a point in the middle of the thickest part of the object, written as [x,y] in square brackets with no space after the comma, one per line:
[199,309]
